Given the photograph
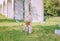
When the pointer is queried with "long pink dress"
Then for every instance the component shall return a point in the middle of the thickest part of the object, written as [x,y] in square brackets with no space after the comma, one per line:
[29,19]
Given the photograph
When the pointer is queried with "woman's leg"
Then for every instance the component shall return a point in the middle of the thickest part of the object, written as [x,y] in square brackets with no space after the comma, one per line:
[30,29]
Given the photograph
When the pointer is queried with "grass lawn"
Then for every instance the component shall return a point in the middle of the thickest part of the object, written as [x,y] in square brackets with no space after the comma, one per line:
[10,30]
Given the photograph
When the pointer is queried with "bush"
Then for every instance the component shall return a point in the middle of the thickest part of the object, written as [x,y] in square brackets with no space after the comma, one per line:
[49,8]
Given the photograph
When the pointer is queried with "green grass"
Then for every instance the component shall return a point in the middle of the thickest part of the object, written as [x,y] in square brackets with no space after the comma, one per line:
[2,16]
[10,30]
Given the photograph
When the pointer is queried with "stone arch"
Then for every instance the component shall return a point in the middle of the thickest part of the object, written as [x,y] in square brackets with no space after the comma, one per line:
[37,9]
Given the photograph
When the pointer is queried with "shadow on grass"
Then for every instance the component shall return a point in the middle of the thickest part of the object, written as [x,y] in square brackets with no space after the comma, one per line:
[9,20]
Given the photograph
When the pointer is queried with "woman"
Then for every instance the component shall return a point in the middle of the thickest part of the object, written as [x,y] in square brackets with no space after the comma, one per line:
[28,21]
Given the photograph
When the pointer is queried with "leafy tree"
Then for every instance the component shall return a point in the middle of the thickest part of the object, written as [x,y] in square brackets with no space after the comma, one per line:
[49,8]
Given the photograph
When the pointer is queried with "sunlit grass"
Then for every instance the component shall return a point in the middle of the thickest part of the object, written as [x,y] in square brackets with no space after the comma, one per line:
[53,19]
[40,33]
[2,17]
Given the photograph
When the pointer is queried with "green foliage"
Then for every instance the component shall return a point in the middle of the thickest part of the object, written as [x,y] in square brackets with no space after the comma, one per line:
[49,7]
